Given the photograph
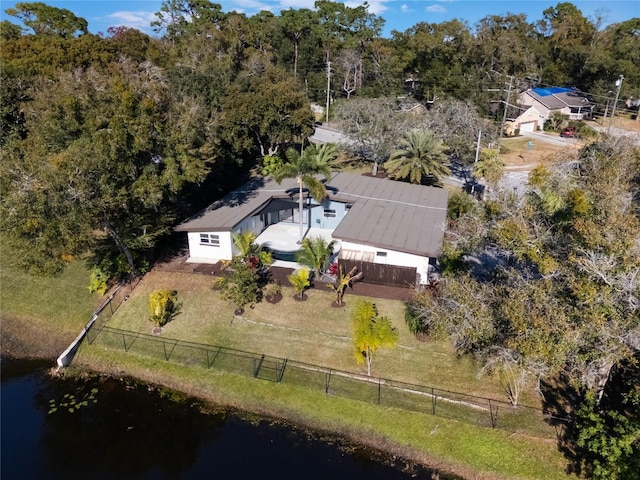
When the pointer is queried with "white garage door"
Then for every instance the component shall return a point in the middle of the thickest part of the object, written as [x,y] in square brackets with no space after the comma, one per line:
[527,127]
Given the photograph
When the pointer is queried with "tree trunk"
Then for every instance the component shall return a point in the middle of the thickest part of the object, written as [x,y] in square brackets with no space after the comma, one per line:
[601,378]
[375,168]
[368,359]
[295,59]
[123,248]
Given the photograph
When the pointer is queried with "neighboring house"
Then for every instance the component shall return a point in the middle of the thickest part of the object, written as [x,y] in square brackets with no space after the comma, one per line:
[530,120]
[373,220]
[569,101]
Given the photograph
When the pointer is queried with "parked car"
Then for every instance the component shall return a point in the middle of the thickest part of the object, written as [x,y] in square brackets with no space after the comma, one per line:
[568,132]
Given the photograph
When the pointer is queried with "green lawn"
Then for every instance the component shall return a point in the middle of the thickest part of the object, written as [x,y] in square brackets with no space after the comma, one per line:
[62,303]
[316,333]
[311,331]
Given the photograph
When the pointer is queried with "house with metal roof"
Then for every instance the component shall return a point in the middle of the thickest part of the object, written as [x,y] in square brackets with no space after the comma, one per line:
[372,220]
[569,101]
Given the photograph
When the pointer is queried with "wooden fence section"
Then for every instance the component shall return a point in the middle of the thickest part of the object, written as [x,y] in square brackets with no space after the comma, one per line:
[380,274]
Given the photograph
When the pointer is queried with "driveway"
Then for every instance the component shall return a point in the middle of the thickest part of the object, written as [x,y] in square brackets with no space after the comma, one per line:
[552,139]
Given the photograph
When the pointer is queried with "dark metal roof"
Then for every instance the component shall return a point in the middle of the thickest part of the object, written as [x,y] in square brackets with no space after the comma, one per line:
[385,213]
[389,214]
[230,210]
[559,97]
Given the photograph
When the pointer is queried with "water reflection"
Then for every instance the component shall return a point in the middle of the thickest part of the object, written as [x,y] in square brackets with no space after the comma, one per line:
[135,431]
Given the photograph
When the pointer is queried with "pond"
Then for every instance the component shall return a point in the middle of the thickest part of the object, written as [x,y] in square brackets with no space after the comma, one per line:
[101,427]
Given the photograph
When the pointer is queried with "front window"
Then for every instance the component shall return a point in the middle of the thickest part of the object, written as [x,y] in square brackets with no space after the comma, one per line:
[328,213]
[210,239]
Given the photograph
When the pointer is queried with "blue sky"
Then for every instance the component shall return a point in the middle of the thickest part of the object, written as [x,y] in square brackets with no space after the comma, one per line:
[399,14]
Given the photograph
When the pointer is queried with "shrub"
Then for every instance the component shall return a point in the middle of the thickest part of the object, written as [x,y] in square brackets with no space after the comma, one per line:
[241,286]
[413,318]
[272,289]
[98,281]
[163,305]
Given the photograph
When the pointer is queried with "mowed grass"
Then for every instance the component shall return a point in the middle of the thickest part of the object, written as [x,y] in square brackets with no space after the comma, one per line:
[62,303]
[312,332]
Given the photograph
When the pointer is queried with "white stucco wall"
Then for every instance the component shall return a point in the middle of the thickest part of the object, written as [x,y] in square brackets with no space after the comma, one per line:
[394,258]
[199,252]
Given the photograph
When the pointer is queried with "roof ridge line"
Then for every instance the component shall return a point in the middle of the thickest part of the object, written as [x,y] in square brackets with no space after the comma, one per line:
[391,201]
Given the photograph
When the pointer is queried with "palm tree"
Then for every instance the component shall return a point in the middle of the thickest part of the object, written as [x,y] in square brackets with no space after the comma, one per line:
[315,253]
[243,241]
[422,156]
[299,280]
[304,168]
[489,167]
[250,251]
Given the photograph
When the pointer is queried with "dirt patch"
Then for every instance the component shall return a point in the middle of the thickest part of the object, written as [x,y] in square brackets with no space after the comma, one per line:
[623,123]
[519,155]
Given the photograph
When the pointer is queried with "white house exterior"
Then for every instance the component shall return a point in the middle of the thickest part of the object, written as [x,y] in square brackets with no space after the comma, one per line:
[372,220]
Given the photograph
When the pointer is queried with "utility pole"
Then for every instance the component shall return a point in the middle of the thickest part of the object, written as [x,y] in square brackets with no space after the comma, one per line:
[328,89]
[613,110]
[506,105]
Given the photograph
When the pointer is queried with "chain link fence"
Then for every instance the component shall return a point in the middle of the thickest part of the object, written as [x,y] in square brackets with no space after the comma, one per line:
[419,398]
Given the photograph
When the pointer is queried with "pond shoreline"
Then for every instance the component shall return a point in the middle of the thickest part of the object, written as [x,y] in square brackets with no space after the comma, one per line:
[40,347]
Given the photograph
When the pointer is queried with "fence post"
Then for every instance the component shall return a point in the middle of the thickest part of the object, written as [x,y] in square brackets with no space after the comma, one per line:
[433,402]
[378,391]
[124,342]
[327,379]
[494,419]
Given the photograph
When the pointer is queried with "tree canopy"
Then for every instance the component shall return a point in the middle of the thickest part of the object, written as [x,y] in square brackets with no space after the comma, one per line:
[47,20]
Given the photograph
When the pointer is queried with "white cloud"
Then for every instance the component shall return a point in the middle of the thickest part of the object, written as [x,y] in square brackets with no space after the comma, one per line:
[286,4]
[404,8]
[249,6]
[435,9]
[140,20]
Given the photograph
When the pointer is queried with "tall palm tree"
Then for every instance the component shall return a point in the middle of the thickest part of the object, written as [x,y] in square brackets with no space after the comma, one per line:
[422,156]
[304,168]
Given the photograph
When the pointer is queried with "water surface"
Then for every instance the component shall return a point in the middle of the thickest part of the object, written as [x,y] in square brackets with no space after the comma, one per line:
[128,430]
